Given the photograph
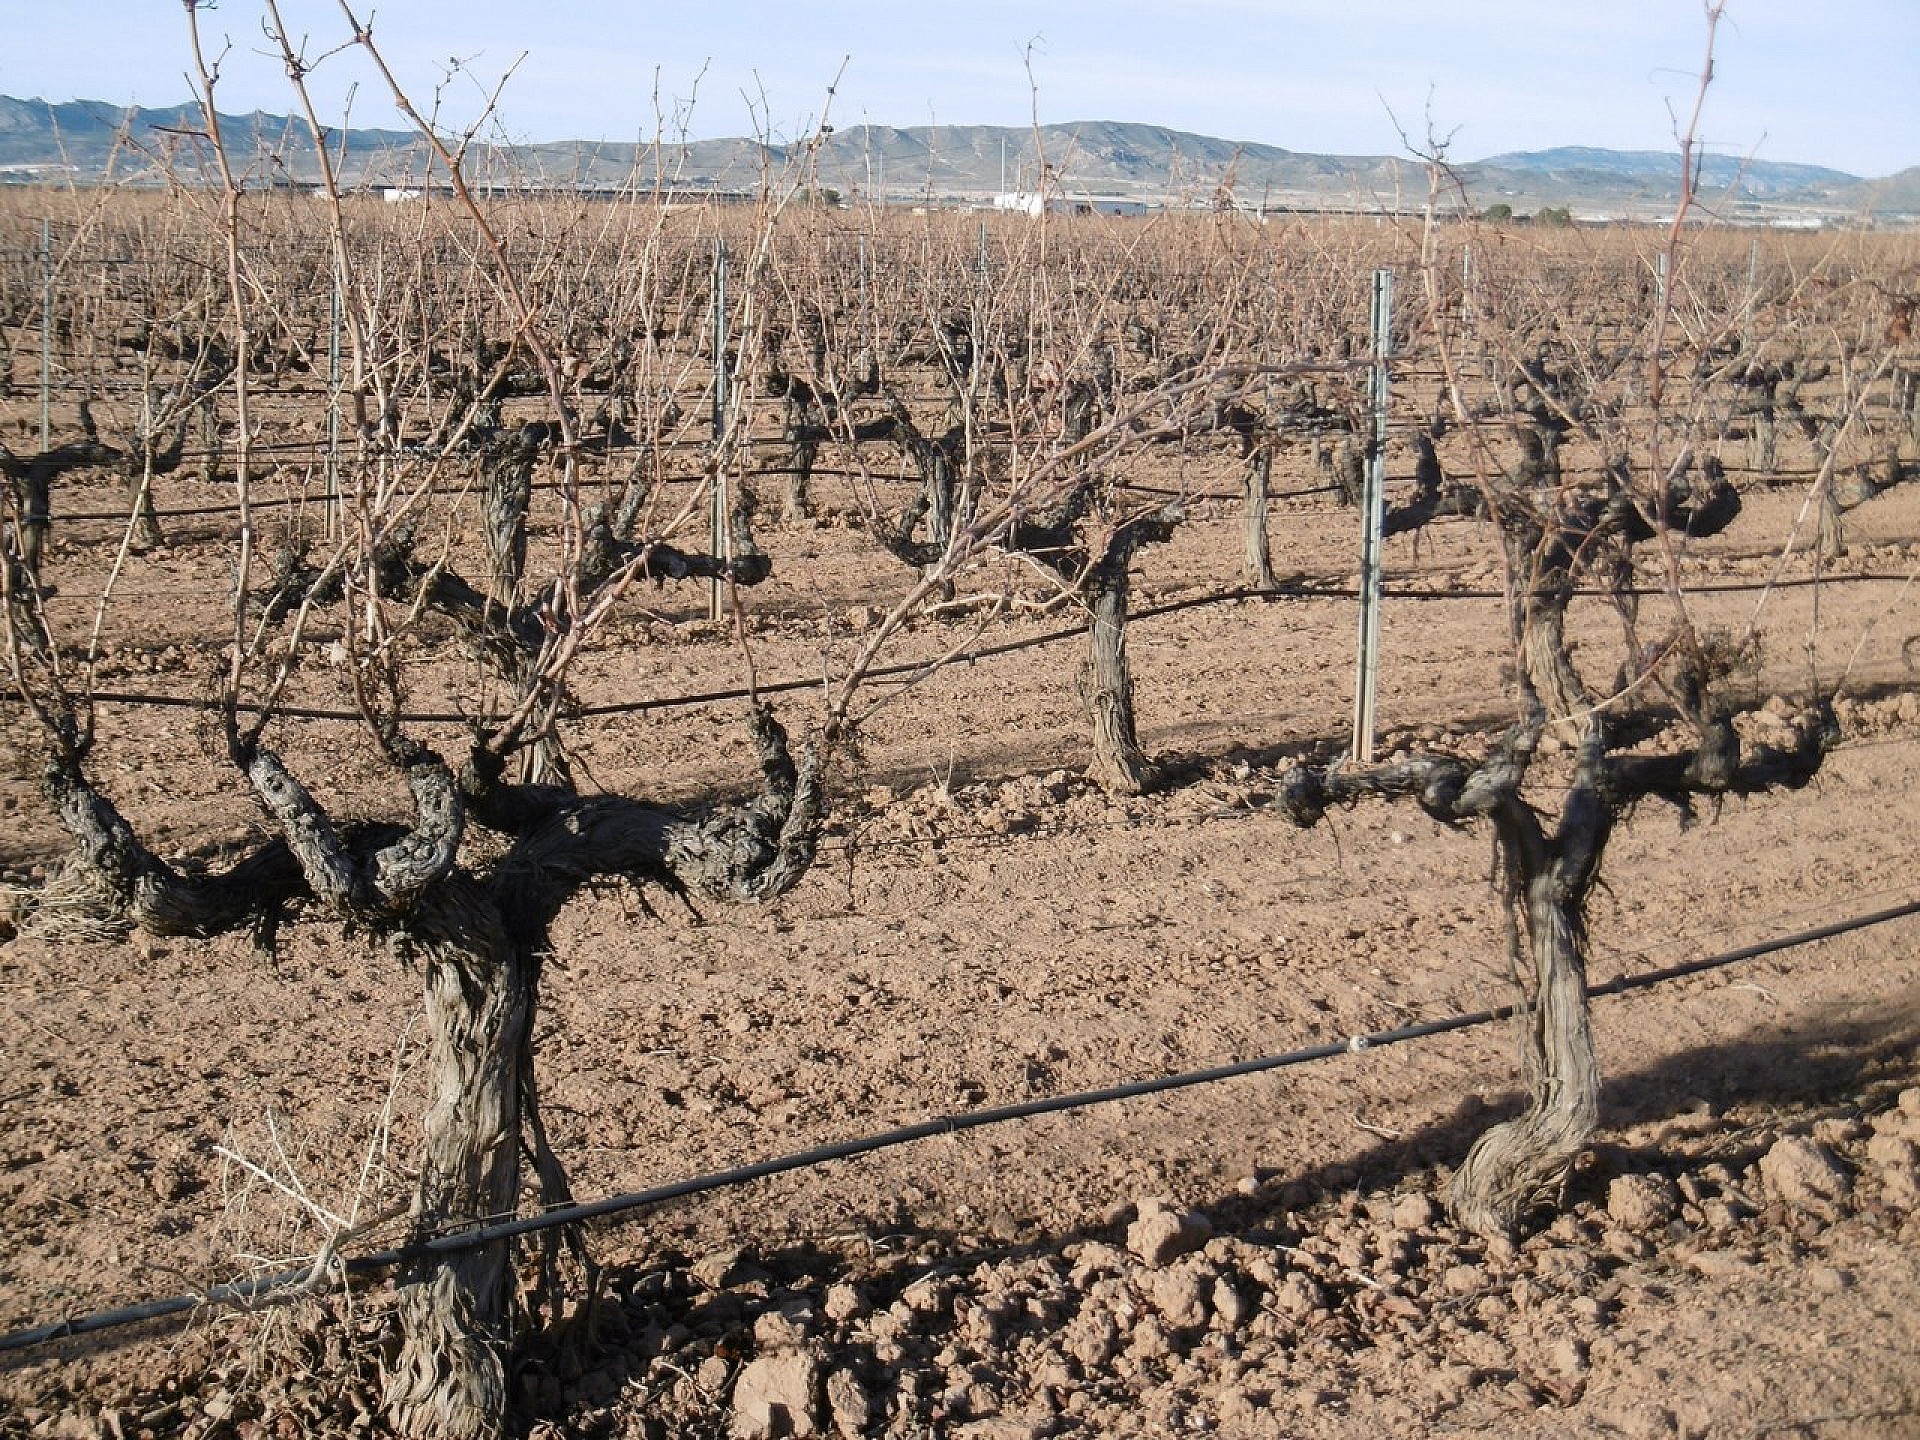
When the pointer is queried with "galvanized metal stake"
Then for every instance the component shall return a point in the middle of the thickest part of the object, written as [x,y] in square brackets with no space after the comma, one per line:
[1373,514]
[717,513]
[1466,288]
[1753,286]
[335,316]
[867,346]
[46,335]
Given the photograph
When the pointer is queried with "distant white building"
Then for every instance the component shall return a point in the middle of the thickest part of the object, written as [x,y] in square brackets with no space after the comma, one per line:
[1029,202]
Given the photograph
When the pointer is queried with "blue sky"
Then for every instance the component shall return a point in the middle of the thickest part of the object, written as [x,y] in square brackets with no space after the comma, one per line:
[1830,82]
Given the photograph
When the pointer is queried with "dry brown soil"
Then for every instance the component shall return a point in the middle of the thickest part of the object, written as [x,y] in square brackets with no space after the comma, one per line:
[1739,1256]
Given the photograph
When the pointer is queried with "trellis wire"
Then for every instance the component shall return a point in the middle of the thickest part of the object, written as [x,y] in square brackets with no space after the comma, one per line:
[983,652]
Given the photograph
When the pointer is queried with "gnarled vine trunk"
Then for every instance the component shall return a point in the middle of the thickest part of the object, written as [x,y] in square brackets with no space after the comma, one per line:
[805,423]
[1517,1161]
[508,493]
[1256,568]
[478,939]
[1119,765]
[1549,663]
[450,1378]
[1546,881]
[1546,886]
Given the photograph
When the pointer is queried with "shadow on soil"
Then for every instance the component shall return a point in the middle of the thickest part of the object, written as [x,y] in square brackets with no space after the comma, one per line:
[1826,1061]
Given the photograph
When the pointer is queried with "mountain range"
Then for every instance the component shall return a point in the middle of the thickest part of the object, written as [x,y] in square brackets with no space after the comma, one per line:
[91,139]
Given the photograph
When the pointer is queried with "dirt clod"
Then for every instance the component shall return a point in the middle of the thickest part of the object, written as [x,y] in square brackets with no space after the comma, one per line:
[1162,1234]
[776,1395]
[1642,1202]
[1803,1173]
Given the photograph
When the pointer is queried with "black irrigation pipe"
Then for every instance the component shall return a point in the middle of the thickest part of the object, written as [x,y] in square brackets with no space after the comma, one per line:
[313,447]
[233,508]
[984,652]
[113,385]
[1237,494]
[470,487]
[263,503]
[455,1242]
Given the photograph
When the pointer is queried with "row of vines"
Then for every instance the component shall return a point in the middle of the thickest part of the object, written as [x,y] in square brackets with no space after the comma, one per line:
[442,451]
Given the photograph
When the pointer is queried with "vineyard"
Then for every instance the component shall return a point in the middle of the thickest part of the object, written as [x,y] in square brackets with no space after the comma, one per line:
[515,700]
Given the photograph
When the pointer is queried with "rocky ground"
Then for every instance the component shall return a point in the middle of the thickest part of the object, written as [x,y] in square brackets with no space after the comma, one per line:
[1737,1272]
[1266,1257]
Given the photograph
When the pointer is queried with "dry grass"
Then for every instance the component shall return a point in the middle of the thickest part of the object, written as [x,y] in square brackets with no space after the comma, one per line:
[70,907]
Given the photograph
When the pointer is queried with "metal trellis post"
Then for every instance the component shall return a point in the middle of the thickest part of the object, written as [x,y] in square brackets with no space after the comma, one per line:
[717,514]
[335,315]
[1753,286]
[46,335]
[1373,508]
